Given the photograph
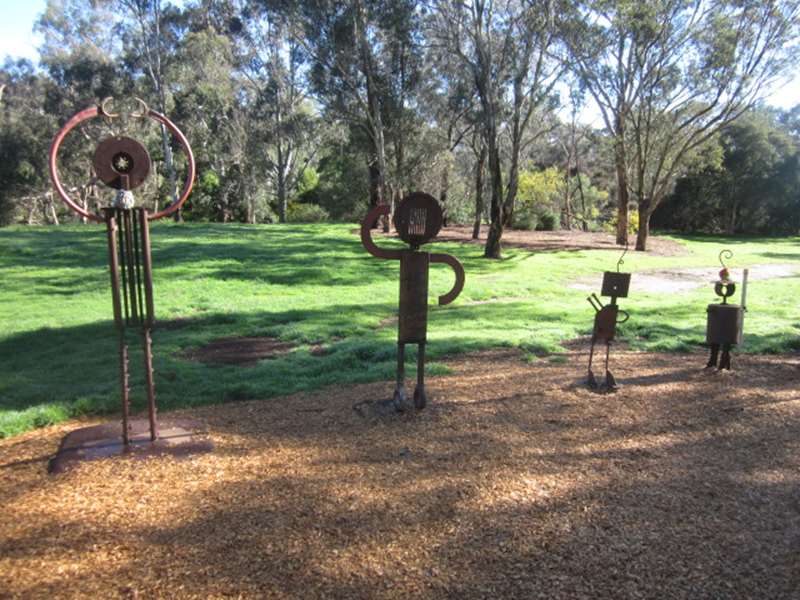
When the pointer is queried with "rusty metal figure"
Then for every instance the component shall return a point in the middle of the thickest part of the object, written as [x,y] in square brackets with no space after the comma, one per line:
[418,219]
[615,285]
[123,164]
[725,322]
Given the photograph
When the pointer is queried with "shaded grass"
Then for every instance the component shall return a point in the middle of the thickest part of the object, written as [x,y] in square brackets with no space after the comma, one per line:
[315,285]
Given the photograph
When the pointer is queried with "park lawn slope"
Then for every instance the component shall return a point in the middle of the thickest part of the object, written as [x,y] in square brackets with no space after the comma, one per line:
[315,287]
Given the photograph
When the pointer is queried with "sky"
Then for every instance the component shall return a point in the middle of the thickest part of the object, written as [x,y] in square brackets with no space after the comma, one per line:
[18,40]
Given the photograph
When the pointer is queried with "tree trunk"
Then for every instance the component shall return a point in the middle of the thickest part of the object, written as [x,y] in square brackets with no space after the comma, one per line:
[644,224]
[445,185]
[622,184]
[479,168]
[492,248]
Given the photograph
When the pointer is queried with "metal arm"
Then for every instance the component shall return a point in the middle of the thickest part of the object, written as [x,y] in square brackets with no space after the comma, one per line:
[595,302]
[459,271]
[366,234]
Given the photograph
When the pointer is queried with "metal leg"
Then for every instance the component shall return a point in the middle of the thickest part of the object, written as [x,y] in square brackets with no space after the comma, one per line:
[611,383]
[725,361]
[123,379]
[712,359]
[420,399]
[147,344]
[592,381]
[400,399]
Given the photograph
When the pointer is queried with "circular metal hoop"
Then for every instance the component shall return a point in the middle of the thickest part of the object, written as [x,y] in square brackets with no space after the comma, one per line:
[97,111]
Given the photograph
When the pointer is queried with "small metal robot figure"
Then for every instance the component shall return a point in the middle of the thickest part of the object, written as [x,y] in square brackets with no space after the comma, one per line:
[615,285]
[418,219]
[725,321]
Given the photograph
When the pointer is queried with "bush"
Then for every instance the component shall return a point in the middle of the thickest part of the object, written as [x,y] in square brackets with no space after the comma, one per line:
[524,218]
[306,213]
[547,221]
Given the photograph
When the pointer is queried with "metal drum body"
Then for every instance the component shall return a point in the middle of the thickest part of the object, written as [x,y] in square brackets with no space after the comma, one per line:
[724,324]
[413,321]
[605,323]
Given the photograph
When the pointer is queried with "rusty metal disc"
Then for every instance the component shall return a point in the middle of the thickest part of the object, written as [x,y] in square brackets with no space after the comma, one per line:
[121,163]
[418,218]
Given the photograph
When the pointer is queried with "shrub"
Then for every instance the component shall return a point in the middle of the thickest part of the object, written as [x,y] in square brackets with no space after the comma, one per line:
[306,213]
[547,221]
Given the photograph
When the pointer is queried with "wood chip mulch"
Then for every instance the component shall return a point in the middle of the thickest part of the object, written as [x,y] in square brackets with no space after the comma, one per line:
[515,482]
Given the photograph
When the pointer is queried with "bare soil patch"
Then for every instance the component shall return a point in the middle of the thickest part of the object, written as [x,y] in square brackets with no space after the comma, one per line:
[242,351]
[667,281]
[515,482]
[559,240]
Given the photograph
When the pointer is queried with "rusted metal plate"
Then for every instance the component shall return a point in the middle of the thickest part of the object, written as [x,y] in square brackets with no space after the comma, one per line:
[605,323]
[121,163]
[724,324]
[418,219]
[177,437]
[413,321]
[615,284]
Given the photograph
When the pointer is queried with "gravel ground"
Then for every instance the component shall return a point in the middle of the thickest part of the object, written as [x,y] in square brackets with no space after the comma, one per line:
[516,482]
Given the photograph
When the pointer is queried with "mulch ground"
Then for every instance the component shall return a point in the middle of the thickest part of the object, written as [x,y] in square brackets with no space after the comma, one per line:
[515,482]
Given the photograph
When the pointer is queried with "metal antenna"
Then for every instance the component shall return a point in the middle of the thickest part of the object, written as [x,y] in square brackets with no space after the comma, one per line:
[624,252]
[727,254]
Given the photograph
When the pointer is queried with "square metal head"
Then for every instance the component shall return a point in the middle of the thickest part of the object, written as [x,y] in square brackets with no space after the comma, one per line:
[615,284]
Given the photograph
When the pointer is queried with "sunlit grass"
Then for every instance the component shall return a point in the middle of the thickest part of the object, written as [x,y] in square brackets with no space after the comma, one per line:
[315,285]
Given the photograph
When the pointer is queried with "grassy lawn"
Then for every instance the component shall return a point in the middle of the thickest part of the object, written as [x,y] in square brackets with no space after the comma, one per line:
[314,285]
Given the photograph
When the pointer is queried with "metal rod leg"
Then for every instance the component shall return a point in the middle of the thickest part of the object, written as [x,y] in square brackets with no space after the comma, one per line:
[123,378]
[400,398]
[420,399]
[591,378]
[151,388]
[611,383]
[712,359]
[725,361]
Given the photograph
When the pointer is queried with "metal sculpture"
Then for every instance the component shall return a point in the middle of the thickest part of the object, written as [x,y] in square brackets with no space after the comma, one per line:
[724,323]
[418,219]
[123,164]
[615,285]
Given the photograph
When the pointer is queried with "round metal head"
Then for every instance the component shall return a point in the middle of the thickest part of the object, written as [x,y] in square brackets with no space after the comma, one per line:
[418,219]
[121,163]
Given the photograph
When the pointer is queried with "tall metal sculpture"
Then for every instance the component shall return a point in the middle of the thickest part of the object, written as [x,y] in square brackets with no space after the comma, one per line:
[418,219]
[725,322]
[615,285]
[123,164]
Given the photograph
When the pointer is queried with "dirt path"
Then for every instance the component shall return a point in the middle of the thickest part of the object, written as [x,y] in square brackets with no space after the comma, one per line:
[560,240]
[516,482]
[667,281]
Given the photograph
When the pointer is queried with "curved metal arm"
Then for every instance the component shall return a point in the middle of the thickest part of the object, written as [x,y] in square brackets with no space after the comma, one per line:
[627,316]
[459,270]
[103,110]
[366,234]
[79,118]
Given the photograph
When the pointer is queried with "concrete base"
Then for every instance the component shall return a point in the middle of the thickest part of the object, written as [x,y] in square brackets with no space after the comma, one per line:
[177,437]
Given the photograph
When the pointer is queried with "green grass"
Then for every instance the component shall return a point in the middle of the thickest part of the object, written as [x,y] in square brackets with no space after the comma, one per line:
[315,284]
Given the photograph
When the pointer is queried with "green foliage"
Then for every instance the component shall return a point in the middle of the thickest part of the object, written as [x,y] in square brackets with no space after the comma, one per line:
[313,285]
[306,213]
[753,188]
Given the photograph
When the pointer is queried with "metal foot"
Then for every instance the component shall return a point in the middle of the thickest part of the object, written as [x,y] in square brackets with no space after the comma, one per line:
[400,399]
[592,381]
[420,399]
[611,383]
[725,361]
[712,359]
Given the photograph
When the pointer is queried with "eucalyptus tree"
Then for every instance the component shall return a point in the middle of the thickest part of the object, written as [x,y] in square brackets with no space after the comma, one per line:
[667,75]
[364,70]
[508,49]
[272,66]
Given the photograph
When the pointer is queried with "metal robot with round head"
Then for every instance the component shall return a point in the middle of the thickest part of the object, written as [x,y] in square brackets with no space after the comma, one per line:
[418,219]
